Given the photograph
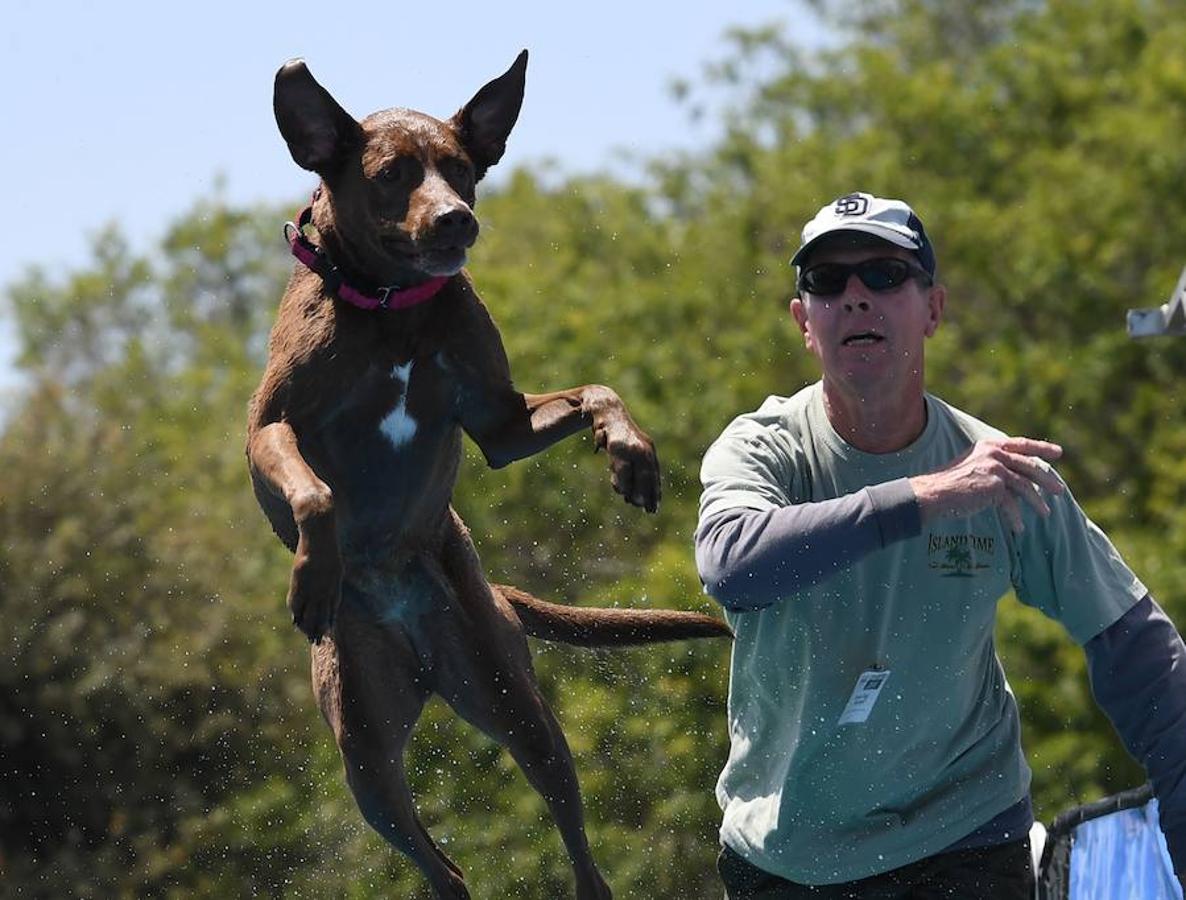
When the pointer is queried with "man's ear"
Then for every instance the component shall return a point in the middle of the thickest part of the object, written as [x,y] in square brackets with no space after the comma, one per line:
[485,123]
[936,300]
[799,313]
[317,130]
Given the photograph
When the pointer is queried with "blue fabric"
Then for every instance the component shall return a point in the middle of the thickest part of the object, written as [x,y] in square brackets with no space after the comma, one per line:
[1122,856]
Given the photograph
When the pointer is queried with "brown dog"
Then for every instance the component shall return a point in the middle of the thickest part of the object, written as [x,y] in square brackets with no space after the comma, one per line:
[381,356]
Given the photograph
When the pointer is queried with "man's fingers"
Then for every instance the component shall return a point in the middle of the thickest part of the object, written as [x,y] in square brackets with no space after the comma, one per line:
[1032,447]
[1011,510]
[1021,486]
[1035,471]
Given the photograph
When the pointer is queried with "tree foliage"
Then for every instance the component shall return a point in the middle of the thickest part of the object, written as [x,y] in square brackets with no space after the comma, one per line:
[156,731]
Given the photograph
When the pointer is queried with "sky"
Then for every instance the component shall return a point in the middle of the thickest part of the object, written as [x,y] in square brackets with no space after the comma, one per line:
[130,112]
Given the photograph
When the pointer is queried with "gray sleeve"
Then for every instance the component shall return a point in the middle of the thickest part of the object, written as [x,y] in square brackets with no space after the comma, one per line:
[750,558]
[1137,668]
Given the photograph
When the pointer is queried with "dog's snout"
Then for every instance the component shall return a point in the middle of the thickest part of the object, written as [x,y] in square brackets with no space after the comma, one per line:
[456,226]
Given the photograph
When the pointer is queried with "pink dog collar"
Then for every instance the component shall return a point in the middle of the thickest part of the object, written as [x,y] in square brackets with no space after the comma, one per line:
[391,297]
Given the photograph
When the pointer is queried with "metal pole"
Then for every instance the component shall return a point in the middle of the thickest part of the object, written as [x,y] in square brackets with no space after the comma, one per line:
[1169,318]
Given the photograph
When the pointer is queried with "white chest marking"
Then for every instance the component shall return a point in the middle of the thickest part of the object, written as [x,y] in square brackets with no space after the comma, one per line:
[397,426]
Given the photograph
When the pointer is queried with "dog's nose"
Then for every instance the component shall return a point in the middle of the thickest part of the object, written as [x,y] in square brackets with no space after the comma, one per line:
[457,226]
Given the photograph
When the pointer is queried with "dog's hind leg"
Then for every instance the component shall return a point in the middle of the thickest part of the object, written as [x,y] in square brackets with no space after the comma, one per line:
[491,683]
[525,725]
[504,701]
[369,692]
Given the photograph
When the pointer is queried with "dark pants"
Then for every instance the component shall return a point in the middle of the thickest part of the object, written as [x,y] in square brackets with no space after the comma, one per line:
[1001,872]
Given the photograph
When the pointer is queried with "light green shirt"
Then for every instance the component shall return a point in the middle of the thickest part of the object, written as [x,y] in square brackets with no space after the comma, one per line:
[939,755]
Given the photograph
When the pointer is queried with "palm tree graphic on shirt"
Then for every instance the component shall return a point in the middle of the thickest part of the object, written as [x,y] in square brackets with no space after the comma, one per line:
[959,558]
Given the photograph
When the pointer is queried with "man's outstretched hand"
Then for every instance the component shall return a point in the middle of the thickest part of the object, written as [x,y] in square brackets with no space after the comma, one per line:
[998,472]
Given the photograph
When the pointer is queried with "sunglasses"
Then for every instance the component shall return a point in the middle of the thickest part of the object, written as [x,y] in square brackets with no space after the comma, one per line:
[881,274]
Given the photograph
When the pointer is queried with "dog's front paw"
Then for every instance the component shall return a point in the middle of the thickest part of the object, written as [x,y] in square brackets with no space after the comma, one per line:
[634,467]
[313,594]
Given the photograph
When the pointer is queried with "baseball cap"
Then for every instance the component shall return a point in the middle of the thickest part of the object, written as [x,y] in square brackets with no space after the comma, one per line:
[890,220]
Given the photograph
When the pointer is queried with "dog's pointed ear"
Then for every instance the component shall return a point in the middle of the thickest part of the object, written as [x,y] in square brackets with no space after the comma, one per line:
[316,129]
[486,121]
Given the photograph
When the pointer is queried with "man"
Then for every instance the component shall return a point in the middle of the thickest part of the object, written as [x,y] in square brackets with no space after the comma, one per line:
[859,535]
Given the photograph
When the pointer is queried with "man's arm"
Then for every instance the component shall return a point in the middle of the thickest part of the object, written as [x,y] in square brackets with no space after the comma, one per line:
[1137,668]
[750,558]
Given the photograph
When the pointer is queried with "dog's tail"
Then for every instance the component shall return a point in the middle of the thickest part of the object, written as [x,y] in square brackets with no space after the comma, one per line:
[599,627]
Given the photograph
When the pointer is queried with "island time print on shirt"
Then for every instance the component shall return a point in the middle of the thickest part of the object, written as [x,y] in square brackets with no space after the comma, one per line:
[960,555]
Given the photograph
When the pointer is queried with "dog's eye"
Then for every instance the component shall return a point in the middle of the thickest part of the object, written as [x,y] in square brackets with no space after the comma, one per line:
[399,172]
[456,170]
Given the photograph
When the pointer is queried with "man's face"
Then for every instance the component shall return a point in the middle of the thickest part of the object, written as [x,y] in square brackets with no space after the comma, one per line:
[869,341]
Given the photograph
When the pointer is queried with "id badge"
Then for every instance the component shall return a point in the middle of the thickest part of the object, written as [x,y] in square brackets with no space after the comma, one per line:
[864,696]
